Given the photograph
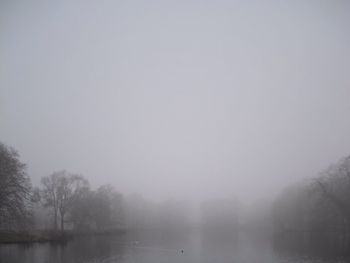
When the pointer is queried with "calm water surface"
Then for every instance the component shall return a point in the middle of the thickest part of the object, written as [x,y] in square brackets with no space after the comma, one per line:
[150,248]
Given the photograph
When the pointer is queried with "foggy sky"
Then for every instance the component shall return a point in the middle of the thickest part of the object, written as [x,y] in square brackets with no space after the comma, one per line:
[177,99]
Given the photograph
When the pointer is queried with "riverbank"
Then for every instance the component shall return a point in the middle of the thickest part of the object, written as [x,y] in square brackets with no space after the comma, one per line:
[49,236]
[26,237]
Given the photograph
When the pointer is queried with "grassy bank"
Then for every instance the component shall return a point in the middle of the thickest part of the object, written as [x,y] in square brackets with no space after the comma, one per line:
[26,237]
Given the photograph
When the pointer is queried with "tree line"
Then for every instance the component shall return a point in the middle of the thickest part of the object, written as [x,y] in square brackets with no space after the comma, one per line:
[314,215]
[73,203]
[65,201]
[65,198]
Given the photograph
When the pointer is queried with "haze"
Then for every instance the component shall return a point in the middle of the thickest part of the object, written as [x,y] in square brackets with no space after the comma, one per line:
[177,99]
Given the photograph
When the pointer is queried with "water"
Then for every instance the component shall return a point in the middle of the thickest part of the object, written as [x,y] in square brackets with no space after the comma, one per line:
[151,247]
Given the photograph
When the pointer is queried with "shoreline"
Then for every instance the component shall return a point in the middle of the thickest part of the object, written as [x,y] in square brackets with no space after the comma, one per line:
[7,238]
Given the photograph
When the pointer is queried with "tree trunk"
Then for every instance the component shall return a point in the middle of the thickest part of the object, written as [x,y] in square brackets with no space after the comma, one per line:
[62,223]
[55,220]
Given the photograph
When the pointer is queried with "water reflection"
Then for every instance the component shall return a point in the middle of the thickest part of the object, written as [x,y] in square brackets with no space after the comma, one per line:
[161,246]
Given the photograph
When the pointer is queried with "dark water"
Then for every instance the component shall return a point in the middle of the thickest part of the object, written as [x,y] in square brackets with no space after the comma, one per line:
[153,247]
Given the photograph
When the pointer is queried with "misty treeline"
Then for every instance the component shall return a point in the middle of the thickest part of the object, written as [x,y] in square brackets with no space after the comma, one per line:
[65,202]
[68,200]
[315,214]
[62,197]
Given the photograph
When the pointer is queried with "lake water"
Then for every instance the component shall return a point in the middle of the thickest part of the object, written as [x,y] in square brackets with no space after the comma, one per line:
[191,247]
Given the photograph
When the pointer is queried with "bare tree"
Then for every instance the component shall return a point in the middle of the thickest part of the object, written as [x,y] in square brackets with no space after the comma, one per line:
[334,184]
[14,188]
[49,194]
[60,191]
[320,208]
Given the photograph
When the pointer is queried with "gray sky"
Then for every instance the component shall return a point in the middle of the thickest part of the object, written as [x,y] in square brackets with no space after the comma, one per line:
[183,99]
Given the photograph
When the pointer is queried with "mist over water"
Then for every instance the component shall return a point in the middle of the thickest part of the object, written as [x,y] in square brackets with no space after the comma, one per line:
[151,247]
[174,131]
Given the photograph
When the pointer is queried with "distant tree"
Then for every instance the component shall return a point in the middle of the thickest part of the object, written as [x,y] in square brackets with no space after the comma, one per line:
[139,212]
[49,194]
[220,216]
[60,191]
[172,215]
[334,185]
[81,211]
[14,188]
[319,208]
[106,208]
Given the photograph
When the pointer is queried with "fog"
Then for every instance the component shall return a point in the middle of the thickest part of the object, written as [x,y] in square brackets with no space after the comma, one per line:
[189,100]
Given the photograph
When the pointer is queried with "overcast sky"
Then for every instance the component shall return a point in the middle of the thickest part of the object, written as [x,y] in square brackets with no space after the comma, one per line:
[179,99]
